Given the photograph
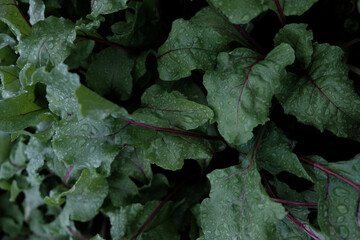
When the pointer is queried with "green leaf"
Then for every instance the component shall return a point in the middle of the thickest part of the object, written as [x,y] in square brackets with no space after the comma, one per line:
[238,207]
[11,218]
[60,90]
[86,196]
[106,6]
[5,146]
[164,149]
[48,44]
[79,54]
[9,76]
[174,107]
[36,11]
[140,28]
[339,202]
[85,143]
[240,90]
[10,14]
[122,189]
[243,11]
[299,39]
[127,220]
[324,96]
[110,74]
[95,106]
[194,44]
[275,154]
[6,40]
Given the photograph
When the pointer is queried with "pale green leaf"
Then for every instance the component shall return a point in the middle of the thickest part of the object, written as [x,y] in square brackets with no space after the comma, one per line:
[194,44]
[110,74]
[9,14]
[36,11]
[240,90]
[238,207]
[324,96]
[85,143]
[48,44]
[9,76]
[106,6]
[60,90]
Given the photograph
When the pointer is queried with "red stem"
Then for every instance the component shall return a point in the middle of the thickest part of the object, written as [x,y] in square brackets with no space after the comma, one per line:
[300,225]
[281,12]
[330,172]
[172,130]
[160,206]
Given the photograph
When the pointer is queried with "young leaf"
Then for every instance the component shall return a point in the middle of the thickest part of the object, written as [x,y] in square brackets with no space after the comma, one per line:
[194,44]
[324,96]
[299,39]
[238,207]
[48,43]
[241,88]
[36,11]
[60,87]
[110,73]
[10,14]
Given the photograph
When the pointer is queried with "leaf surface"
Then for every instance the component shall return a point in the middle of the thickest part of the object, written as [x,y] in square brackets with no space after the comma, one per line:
[241,88]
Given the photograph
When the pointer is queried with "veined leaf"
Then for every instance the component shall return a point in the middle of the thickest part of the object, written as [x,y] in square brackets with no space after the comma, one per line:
[238,207]
[48,43]
[241,88]
[323,96]
[194,44]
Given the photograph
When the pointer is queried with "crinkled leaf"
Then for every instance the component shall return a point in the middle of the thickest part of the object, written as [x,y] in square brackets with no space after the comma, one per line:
[338,211]
[36,11]
[243,11]
[324,97]
[299,39]
[85,143]
[140,28]
[48,44]
[174,107]
[9,14]
[95,106]
[127,220]
[194,44]
[106,6]
[238,207]
[60,90]
[240,90]
[275,154]
[86,196]
[110,74]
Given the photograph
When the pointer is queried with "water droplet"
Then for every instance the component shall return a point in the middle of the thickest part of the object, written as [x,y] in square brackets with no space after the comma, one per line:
[92,149]
[82,142]
[344,232]
[340,192]
[342,209]
[340,219]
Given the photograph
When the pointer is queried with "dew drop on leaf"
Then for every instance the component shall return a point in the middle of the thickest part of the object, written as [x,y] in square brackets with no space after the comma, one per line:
[342,209]
[340,219]
[344,232]
[340,192]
